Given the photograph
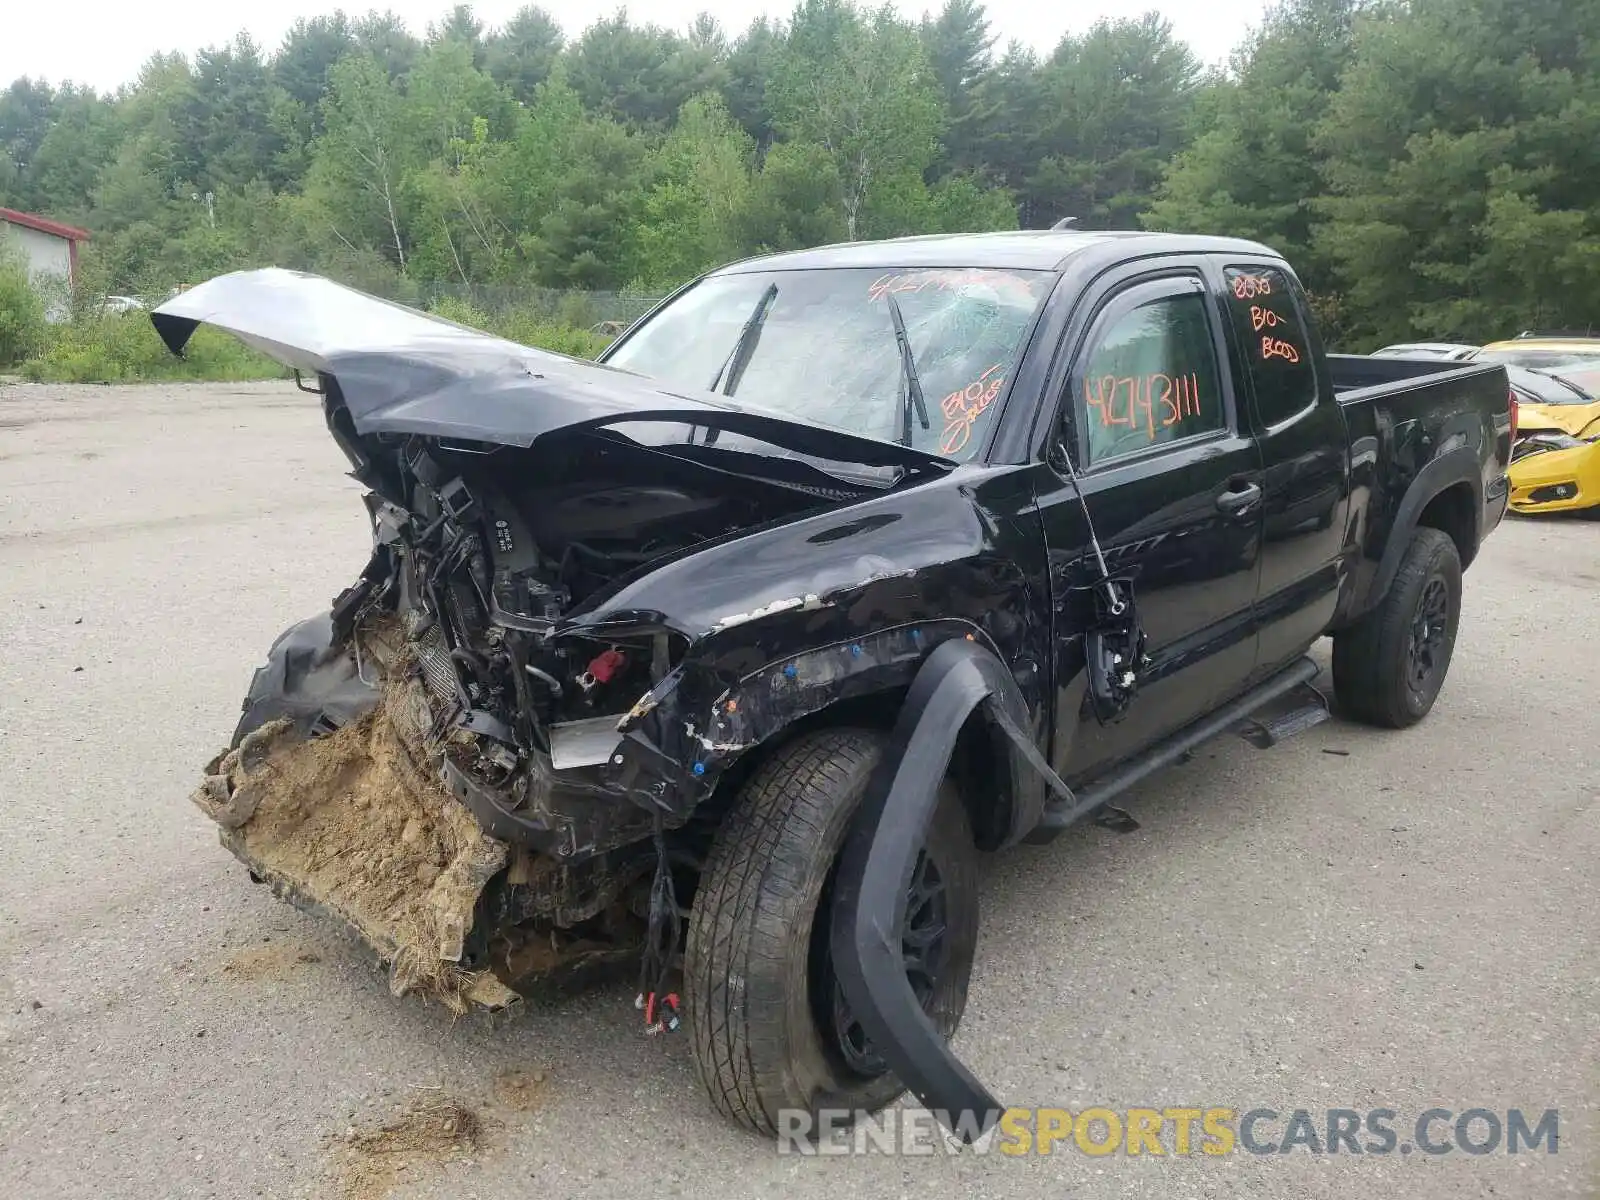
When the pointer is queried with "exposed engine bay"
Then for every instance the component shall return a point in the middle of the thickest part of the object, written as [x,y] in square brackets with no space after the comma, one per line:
[494,547]
[453,671]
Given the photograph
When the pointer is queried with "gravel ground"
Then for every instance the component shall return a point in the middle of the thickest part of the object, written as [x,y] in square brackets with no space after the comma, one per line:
[1351,920]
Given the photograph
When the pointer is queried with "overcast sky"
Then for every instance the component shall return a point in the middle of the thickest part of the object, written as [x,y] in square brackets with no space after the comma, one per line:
[103,42]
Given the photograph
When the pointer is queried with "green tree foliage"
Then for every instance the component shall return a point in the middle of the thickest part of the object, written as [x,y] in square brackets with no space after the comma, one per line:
[751,61]
[1255,171]
[640,75]
[81,139]
[1462,159]
[693,214]
[1432,167]
[1115,106]
[359,164]
[224,122]
[522,55]
[25,111]
[957,44]
[858,85]
[21,308]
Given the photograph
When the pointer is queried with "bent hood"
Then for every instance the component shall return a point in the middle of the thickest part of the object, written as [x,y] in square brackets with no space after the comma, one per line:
[399,370]
[1572,419]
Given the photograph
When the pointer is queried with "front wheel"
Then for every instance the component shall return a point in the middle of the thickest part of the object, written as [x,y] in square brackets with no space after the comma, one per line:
[1389,666]
[769,1027]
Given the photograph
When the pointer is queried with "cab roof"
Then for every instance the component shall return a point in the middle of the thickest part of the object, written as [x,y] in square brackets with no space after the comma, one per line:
[1027,249]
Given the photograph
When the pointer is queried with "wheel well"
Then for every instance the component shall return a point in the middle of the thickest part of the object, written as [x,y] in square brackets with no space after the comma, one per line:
[979,763]
[981,767]
[1451,512]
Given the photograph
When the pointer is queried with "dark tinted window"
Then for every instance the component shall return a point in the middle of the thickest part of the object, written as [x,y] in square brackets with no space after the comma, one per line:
[1273,336]
[1149,376]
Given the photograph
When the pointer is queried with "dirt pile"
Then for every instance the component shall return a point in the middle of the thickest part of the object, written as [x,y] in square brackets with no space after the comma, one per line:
[271,960]
[521,1091]
[370,1162]
[349,824]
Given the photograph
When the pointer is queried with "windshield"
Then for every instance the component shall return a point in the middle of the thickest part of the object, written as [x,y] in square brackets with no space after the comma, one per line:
[1543,360]
[1548,387]
[820,346]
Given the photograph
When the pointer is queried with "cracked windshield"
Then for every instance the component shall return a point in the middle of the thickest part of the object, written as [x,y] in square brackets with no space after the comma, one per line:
[824,347]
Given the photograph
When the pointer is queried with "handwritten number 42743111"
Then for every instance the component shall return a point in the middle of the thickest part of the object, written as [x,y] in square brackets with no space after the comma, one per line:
[1151,401]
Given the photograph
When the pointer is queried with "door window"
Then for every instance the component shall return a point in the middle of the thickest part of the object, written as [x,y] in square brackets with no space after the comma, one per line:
[1272,333]
[1149,374]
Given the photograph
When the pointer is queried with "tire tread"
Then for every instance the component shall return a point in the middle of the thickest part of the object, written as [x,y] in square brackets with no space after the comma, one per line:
[1368,657]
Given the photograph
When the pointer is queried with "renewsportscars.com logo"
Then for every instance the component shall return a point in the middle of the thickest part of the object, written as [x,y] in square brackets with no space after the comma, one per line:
[1212,1132]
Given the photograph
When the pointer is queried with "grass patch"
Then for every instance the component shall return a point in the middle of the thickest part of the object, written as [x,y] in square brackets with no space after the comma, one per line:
[124,348]
[529,326]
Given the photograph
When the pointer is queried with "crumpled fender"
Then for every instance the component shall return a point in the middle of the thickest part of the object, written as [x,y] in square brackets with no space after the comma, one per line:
[875,870]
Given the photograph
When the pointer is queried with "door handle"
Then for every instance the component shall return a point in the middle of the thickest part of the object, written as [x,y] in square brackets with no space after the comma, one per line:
[1239,499]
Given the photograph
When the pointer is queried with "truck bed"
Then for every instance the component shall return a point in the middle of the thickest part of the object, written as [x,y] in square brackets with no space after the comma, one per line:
[1407,416]
[1359,376]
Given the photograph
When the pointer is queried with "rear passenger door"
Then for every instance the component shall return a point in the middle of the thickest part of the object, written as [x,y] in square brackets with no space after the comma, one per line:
[1305,456]
[1173,484]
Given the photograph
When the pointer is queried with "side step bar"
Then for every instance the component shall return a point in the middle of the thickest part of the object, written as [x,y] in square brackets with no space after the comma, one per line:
[1059,815]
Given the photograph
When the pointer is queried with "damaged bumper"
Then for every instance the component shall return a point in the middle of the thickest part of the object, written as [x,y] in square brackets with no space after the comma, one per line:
[1562,479]
[334,793]
[347,826]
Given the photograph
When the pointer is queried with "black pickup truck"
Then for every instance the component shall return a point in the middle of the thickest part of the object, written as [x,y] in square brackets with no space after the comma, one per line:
[842,567]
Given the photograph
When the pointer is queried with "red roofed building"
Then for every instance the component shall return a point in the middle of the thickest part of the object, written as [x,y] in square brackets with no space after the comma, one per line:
[49,248]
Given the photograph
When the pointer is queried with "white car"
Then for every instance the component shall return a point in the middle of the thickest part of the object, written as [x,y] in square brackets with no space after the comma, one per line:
[1454,351]
[122,304]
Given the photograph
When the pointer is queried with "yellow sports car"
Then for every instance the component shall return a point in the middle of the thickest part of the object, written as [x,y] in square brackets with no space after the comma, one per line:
[1555,463]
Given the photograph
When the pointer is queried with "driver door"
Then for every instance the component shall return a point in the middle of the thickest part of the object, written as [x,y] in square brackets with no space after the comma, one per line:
[1172,480]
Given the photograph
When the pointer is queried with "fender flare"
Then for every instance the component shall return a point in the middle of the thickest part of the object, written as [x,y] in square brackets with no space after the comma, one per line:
[1455,466]
[875,869]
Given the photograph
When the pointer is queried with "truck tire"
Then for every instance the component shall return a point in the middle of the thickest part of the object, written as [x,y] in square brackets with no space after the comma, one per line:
[1389,666]
[768,1028]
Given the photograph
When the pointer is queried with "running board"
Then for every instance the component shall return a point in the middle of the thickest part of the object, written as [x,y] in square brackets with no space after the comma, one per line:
[1059,815]
[1265,729]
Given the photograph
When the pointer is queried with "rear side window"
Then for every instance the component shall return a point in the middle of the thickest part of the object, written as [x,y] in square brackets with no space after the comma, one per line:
[1149,372]
[1272,332]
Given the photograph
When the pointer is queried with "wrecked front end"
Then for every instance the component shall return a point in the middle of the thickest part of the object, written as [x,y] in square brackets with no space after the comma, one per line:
[489,757]
[1553,471]
[474,779]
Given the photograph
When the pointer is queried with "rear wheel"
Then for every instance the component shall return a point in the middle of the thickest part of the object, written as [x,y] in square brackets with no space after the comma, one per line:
[1389,666]
[769,1026]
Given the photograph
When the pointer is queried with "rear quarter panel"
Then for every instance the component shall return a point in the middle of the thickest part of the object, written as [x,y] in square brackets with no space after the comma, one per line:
[1411,441]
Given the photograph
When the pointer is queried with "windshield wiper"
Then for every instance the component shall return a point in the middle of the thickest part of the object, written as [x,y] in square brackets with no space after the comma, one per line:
[908,370]
[733,366]
[1546,373]
[1576,389]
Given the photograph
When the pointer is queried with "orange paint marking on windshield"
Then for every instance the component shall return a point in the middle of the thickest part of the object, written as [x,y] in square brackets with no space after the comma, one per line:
[1153,401]
[944,281]
[963,407]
